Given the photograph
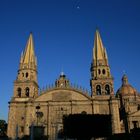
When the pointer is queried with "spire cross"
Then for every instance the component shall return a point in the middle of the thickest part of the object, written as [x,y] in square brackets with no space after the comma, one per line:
[62,72]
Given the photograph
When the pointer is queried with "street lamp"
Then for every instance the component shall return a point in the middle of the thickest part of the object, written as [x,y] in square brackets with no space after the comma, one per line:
[37,113]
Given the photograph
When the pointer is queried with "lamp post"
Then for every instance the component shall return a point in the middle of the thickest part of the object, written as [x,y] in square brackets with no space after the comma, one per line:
[32,132]
[37,113]
[17,132]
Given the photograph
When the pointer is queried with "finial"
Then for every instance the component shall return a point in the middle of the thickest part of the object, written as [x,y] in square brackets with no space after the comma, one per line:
[124,72]
[124,80]
[31,32]
[62,72]
[97,28]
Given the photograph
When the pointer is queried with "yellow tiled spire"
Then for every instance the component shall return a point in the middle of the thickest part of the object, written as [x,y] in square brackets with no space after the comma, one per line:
[29,55]
[98,46]
[27,72]
[101,78]
[99,52]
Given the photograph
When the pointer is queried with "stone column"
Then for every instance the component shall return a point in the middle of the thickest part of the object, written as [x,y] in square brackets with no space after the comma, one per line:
[12,122]
[48,119]
[29,118]
[115,118]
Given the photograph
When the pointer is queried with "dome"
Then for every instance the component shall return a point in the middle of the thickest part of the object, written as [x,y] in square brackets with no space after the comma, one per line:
[126,88]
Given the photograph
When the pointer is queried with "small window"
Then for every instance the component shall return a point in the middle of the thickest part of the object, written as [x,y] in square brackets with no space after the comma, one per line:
[27,91]
[107,89]
[22,74]
[138,107]
[22,118]
[99,71]
[27,74]
[19,92]
[135,124]
[65,82]
[22,129]
[103,71]
[98,90]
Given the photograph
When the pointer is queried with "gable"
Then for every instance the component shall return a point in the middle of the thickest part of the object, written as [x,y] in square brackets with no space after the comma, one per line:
[62,95]
[135,114]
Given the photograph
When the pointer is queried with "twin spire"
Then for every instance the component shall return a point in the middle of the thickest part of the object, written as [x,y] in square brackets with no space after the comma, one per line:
[99,52]
[28,57]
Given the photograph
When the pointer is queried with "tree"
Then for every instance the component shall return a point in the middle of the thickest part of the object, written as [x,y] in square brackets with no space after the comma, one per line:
[3,128]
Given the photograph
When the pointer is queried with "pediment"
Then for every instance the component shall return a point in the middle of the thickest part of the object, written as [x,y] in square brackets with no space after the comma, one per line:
[63,95]
[134,114]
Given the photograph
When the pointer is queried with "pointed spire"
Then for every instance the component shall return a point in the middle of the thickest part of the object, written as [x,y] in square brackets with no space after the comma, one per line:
[99,52]
[100,70]
[29,55]
[98,46]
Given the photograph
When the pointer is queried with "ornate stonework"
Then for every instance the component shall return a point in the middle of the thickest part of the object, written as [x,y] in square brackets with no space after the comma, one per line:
[30,107]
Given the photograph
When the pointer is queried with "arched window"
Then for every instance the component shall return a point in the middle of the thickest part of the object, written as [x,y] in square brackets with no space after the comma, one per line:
[98,90]
[19,92]
[65,83]
[27,74]
[103,71]
[107,89]
[27,92]
[135,124]
[138,107]
[99,71]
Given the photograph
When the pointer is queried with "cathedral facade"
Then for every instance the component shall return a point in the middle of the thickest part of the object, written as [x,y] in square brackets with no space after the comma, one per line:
[30,107]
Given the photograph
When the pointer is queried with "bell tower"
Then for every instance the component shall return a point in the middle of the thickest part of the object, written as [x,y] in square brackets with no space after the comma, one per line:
[26,86]
[101,80]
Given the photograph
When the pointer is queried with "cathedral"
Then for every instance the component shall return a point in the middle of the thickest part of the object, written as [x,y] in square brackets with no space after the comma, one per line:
[29,106]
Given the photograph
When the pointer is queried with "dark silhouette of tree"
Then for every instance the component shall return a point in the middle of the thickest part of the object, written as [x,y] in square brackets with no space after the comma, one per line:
[3,128]
[86,126]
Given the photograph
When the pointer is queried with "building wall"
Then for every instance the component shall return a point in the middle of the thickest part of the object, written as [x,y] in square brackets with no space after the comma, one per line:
[54,107]
[65,99]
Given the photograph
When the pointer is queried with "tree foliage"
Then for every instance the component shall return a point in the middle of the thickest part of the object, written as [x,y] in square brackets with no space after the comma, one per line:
[3,128]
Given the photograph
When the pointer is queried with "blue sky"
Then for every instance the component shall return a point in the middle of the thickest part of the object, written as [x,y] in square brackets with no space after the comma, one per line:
[63,32]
